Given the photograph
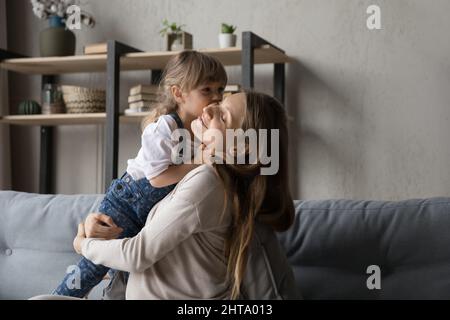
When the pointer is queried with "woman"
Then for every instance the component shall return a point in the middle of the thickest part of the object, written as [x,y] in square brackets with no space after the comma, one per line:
[197,241]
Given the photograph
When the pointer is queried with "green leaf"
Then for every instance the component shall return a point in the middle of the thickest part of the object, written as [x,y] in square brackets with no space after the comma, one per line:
[171,28]
[228,28]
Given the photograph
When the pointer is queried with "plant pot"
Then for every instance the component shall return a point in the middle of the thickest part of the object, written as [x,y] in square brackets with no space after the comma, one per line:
[227,40]
[178,41]
[52,99]
[57,40]
[29,107]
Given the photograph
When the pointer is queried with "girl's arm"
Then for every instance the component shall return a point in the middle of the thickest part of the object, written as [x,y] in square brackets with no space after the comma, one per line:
[172,175]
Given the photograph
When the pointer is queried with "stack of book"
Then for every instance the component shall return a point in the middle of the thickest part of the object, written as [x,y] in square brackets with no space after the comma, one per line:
[142,98]
[231,89]
[96,48]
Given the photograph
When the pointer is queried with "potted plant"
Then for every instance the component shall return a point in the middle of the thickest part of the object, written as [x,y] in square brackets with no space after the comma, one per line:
[176,38]
[227,38]
[63,15]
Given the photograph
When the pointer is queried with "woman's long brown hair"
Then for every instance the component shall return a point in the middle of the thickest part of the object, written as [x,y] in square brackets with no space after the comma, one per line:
[253,196]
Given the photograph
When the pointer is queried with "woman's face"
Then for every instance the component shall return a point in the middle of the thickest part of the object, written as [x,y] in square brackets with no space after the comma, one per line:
[216,118]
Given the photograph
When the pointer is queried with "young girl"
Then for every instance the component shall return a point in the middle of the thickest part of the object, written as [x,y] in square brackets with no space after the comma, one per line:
[191,82]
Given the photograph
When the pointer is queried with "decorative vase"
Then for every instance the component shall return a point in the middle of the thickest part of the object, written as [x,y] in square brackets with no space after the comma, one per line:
[52,99]
[57,40]
[177,42]
[227,40]
[29,107]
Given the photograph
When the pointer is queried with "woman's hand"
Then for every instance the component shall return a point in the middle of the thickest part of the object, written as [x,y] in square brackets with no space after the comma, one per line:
[101,226]
[97,225]
[204,154]
[78,241]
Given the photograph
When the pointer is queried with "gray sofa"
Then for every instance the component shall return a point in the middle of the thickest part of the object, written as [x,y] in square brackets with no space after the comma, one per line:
[330,247]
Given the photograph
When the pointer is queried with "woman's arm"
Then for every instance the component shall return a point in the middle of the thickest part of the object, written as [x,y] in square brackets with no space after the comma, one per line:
[173,222]
[79,238]
[101,226]
[96,225]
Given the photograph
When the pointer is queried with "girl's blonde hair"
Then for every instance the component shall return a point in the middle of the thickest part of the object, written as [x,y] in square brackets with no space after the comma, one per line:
[252,195]
[187,70]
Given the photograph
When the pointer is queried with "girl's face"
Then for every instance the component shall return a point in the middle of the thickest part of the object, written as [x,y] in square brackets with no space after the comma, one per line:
[216,118]
[194,101]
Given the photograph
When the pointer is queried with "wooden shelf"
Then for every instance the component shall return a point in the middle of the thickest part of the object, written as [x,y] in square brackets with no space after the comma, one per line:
[132,61]
[67,119]
[134,118]
[151,61]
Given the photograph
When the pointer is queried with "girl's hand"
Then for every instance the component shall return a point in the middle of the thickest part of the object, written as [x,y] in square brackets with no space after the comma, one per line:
[101,226]
[81,235]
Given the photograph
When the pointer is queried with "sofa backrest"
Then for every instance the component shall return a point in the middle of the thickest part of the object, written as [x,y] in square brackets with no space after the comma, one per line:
[333,242]
[36,234]
[330,246]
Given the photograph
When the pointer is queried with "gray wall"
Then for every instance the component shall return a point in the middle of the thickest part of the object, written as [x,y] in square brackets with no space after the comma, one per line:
[370,108]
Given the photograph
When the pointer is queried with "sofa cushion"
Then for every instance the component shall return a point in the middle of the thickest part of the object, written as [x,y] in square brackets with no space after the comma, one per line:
[333,242]
[36,234]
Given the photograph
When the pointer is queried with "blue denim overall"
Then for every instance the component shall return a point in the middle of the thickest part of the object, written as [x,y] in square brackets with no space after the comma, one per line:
[128,203]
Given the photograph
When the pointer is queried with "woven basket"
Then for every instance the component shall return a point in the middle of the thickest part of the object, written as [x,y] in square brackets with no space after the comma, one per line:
[84,100]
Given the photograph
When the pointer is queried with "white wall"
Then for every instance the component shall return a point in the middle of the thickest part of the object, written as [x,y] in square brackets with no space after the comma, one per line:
[370,107]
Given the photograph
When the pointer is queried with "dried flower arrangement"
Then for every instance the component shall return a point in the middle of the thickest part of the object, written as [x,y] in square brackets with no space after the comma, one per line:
[44,9]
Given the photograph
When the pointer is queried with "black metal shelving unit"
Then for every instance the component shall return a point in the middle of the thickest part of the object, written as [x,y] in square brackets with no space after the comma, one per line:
[116,51]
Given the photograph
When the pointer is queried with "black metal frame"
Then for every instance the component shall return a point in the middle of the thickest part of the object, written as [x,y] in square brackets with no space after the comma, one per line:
[5,54]
[250,42]
[47,157]
[116,50]
[46,163]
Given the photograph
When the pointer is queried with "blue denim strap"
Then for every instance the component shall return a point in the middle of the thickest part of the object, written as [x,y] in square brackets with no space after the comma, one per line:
[177,119]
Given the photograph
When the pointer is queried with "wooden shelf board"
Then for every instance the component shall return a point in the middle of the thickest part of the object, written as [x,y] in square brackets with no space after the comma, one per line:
[56,65]
[67,119]
[229,57]
[134,118]
[54,119]
[131,61]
